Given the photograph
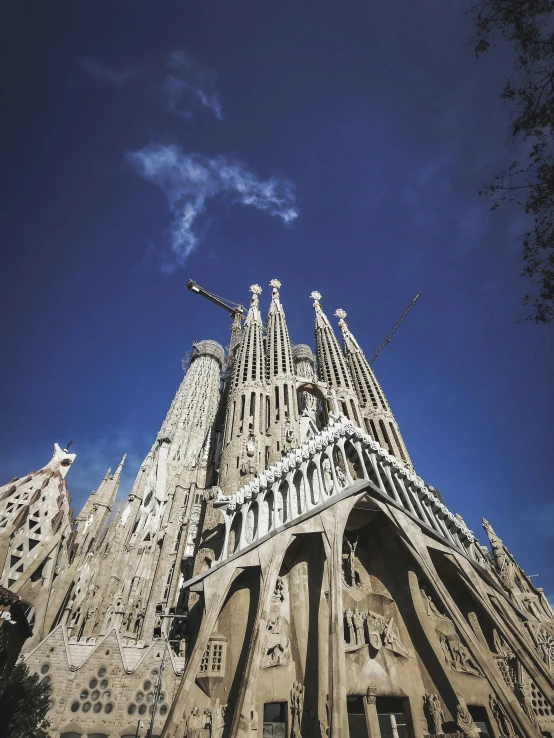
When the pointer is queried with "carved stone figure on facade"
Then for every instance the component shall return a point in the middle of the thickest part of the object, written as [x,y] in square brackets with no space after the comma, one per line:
[350,574]
[463,660]
[327,475]
[279,591]
[501,647]
[392,641]
[341,476]
[296,708]
[505,725]
[277,645]
[431,608]
[359,628]
[436,713]
[195,724]
[464,721]
[350,625]
[250,446]
[545,642]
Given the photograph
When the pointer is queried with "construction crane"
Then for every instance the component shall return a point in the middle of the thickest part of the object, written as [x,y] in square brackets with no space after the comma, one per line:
[235,309]
[396,327]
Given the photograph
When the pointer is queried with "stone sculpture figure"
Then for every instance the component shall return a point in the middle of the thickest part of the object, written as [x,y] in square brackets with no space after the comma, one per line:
[505,725]
[501,647]
[277,645]
[296,708]
[195,724]
[436,712]
[351,577]
[278,593]
[464,721]
[350,625]
[358,622]
[327,475]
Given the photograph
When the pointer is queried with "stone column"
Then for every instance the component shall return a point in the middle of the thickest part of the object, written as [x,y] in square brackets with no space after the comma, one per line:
[371,713]
[333,523]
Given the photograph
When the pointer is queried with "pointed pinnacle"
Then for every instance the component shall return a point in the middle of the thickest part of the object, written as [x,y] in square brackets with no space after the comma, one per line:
[121,463]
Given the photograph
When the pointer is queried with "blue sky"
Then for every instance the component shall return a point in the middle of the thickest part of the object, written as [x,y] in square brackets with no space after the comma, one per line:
[335,146]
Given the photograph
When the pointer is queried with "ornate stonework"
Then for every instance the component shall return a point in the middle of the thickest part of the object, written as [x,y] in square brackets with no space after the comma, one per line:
[276,555]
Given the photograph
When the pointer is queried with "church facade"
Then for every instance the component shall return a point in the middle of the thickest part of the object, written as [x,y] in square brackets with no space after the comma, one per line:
[279,569]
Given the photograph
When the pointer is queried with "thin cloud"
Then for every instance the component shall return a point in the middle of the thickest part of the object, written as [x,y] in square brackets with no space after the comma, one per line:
[184,82]
[102,73]
[190,180]
[189,78]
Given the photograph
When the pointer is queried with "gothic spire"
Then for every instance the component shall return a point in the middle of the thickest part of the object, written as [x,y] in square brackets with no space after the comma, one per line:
[242,448]
[331,362]
[379,421]
[280,375]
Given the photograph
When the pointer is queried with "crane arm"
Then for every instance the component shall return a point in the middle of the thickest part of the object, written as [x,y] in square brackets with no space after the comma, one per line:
[398,323]
[233,308]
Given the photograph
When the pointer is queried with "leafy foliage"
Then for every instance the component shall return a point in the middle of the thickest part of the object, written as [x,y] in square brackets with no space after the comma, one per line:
[528,27]
[24,705]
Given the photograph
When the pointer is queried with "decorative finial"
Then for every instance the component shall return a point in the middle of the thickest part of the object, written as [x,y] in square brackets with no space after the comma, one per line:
[66,449]
[275,284]
[256,290]
[316,297]
[341,315]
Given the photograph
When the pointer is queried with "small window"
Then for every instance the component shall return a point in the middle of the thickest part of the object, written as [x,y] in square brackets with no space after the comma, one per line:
[74,707]
[357,724]
[392,718]
[45,669]
[275,720]
[481,720]
[101,672]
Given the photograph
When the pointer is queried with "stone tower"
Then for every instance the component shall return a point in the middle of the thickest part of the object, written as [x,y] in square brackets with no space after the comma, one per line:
[279,570]
[378,419]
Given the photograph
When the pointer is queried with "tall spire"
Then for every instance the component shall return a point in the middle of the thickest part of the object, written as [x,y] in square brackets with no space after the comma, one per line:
[243,453]
[282,407]
[96,511]
[331,363]
[379,421]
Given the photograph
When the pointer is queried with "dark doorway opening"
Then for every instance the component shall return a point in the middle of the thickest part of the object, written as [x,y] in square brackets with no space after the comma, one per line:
[275,720]
[393,716]
[357,724]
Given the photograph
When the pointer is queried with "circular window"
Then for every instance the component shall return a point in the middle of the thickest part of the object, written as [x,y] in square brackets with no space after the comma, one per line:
[101,672]
[103,684]
[139,697]
[74,707]
[93,682]
[162,696]
[163,709]
[86,707]
[149,698]
[154,672]
[108,708]
[142,709]
[84,694]
[95,695]
[45,669]
[106,696]
[46,680]
[147,686]
[50,705]
[132,709]
[97,707]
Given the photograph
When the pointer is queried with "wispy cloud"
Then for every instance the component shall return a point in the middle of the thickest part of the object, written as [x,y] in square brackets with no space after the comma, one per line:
[102,73]
[190,180]
[188,78]
[184,82]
